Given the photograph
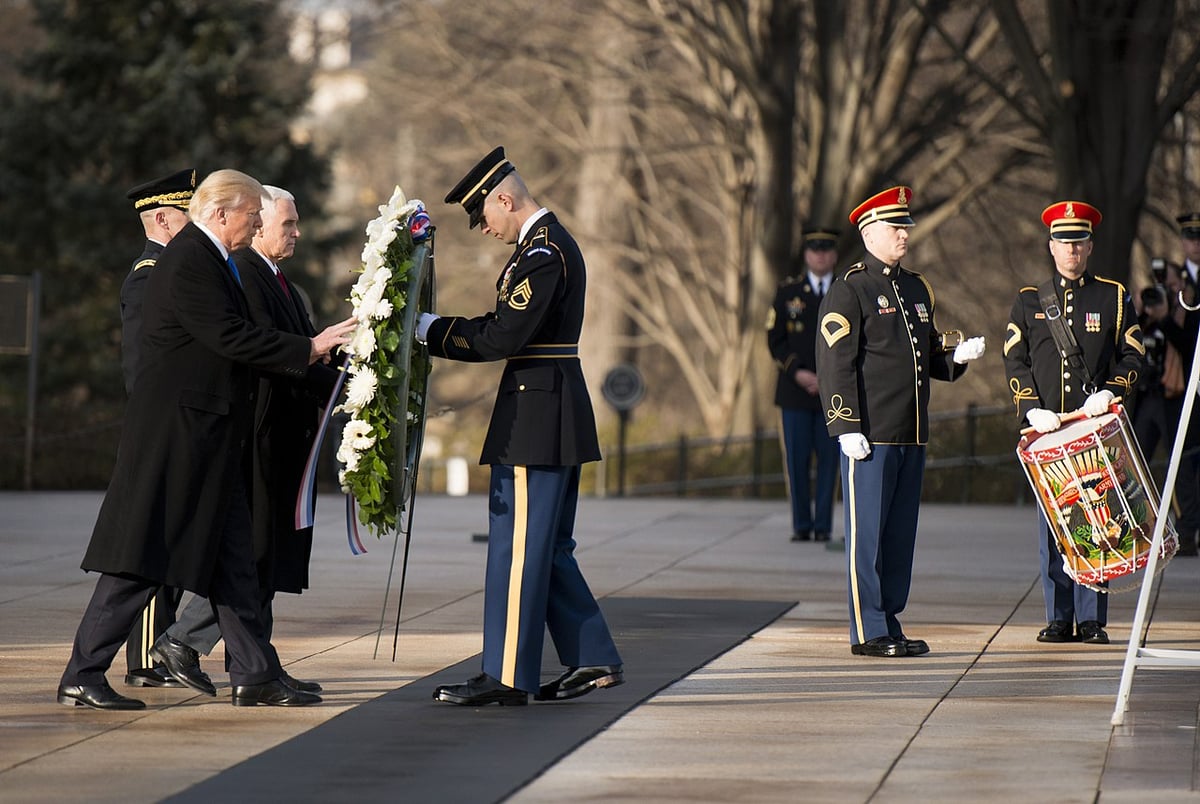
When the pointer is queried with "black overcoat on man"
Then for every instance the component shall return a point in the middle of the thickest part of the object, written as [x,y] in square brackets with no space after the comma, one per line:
[543,414]
[185,441]
[131,309]
[285,423]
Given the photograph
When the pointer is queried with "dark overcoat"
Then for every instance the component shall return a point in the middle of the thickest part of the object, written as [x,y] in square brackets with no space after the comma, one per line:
[543,414]
[285,423]
[187,428]
[131,309]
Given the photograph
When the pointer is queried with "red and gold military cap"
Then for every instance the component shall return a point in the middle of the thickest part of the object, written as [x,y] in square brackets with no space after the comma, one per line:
[890,206]
[1071,220]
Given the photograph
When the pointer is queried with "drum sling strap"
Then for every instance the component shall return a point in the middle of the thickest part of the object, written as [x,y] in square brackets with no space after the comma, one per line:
[1064,339]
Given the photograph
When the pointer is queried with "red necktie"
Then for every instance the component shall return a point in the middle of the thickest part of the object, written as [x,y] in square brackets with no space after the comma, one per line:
[282,282]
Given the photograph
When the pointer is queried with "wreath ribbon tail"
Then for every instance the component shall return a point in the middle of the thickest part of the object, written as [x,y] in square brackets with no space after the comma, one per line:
[356,545]
[305,496]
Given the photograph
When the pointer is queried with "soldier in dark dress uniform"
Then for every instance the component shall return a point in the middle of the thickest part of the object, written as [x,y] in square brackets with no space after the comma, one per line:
[1100,314]
[542,430]
[878,351]
[791,337]
[162,205]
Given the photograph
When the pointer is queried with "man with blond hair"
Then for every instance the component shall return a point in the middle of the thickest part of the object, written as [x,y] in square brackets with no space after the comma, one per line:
[176,511]
[285,422]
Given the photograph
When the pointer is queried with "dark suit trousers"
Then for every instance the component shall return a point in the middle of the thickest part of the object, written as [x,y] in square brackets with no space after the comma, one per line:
[117,603]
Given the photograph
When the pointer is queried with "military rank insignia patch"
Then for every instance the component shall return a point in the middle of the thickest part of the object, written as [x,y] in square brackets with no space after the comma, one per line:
[521,295]
[834,327]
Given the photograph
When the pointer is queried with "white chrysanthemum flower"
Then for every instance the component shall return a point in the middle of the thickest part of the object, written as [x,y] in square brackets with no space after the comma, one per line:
[347,455]
[362,344]
[361,388]
[342,481]
[396,202]
[358,434]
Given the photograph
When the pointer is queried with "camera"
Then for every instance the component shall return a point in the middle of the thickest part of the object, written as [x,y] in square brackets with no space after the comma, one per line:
[1158,269]
[1153,296]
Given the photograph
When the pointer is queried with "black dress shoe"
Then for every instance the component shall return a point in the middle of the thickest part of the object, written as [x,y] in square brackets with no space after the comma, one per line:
[97,696]
[884,646]
[580,681]
[821,536]
[480,691]
[1091,632]
[151,677]
[272,693]
[1056,631]
[183,663]
[802,536]
[297,684]
[913,647]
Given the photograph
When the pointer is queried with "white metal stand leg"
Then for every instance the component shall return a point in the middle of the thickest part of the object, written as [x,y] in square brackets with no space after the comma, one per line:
[1135,654]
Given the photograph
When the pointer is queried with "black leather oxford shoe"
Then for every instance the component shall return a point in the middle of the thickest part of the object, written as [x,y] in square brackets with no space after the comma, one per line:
[802,536]
[272,693]
[1091,632]
[1056,631]
[580,681]
[884,646]
[97,696]
[914,647]
[480,691]
[297,684]
[821,536]
[151,677]
[183,663]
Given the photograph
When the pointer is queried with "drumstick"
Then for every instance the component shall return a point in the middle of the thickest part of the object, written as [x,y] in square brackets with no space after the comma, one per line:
[1064,418]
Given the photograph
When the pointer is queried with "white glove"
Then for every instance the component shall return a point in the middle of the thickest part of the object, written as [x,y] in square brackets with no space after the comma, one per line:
[1042,420]
[423,325]
[855,445]
[969,349]
[1097,404]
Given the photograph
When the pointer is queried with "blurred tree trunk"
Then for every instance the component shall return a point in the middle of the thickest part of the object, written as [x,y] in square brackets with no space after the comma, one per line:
[602,203]
[1101,91]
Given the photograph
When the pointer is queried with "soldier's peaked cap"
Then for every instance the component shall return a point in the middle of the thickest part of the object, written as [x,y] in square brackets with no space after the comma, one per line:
[472,189]
[819,239]
[890,206]
[174,190]
[1189,225]
[1071,220]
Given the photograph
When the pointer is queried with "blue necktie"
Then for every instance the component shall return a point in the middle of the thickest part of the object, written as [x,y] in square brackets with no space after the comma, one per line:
[233,267]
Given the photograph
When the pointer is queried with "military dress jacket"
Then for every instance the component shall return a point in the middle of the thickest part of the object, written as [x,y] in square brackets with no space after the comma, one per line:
[791,337]
[187,429]
[131,309]
[877,353]
[1101,316]
[286,418]
[543,415]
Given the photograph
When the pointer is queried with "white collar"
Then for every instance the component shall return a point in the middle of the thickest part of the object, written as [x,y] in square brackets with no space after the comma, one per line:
[220,246]
[529,222]
[270,263]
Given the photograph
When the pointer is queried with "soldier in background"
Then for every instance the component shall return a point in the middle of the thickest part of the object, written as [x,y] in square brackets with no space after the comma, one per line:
[162,205]
[791,337]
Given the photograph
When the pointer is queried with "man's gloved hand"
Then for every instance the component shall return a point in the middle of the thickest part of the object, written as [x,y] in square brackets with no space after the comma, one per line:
[1097,404]
[969,349]
[1042,420]
[855,445]
[423,325]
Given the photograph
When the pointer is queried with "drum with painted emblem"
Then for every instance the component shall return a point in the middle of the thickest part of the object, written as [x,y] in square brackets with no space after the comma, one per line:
[1091,482]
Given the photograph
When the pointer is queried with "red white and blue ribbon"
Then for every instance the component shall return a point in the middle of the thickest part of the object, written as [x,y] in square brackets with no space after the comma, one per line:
[356,545]
[305,498]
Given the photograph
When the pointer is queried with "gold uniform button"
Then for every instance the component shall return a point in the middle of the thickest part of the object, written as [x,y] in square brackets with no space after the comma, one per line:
[520,387]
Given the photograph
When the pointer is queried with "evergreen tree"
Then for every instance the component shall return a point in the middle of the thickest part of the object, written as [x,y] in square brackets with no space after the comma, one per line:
[114,94]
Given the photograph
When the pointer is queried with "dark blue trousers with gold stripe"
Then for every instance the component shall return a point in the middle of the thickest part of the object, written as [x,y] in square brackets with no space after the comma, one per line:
[533,581]
[882,496]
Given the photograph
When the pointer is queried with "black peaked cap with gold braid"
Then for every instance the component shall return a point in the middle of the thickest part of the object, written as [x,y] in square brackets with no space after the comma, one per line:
[174,190]
[473,188]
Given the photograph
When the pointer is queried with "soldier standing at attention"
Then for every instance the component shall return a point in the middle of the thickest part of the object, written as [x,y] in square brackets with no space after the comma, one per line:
[162,205]
[1100,318]
[878,351]
[542,430]
[791,337]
